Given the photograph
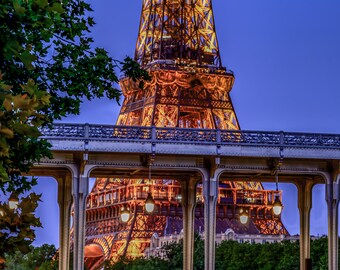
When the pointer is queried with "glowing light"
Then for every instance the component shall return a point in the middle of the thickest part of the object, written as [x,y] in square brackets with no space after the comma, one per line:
[149,203]
[277,206]
[178,197]
[244,217]
[125,214]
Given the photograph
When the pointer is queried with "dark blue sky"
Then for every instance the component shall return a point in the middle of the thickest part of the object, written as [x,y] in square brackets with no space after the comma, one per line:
[286,60]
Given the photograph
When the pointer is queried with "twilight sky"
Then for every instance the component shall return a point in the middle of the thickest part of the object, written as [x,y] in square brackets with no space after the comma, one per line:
[286,60]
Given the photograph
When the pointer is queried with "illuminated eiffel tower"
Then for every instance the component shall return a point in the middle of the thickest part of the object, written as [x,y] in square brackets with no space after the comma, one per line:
[177,44]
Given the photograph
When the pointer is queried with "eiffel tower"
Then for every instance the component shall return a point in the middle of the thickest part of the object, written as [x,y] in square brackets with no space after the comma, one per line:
[178,45]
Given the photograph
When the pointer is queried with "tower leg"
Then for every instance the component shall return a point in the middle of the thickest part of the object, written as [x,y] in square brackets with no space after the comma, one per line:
[304,205]
[80,192]
[188,204]
[210,199]
[65,202]
[332,198]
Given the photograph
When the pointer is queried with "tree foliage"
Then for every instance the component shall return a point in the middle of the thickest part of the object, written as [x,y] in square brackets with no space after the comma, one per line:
[48,66]
[231,255]
[52,40]
[20,146]
[38,258]
[153,263]
[17,226]
[319,252]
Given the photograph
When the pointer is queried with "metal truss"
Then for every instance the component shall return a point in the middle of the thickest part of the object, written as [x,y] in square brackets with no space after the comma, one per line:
[118,239]
[178,30]
[178,99]
[271,226]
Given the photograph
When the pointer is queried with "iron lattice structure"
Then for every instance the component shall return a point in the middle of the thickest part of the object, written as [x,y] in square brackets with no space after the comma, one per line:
[178,30]
[177,44]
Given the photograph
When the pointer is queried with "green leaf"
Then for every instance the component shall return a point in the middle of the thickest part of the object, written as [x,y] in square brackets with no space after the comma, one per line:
[27,58]
[5,87]
[20,102]
[12,47]
[7,104]
[19,10]
[57,7]
[42,3]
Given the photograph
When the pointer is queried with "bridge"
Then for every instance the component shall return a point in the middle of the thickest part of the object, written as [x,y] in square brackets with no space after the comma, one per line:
[81,151]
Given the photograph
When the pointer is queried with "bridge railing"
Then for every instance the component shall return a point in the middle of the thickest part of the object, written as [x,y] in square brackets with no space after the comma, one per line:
[188,135]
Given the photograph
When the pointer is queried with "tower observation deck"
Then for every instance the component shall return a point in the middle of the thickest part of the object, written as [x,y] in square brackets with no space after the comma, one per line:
[189,88]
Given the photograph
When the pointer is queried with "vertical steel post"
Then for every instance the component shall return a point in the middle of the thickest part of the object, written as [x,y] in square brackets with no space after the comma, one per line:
[210,192]
[304,205]
[188,203]
[65,202]
[332,198]
[80,192]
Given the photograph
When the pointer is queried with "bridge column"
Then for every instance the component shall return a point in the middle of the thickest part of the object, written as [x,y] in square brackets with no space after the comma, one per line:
[80,191]
[304,205]
[210,193]
[65,202]
[332,198]
[188,203]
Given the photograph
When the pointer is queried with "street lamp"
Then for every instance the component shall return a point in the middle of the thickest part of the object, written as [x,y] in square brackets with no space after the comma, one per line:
[277,206]
[149,202]
[13,201]
[125,210]
[244,215]
[124,214]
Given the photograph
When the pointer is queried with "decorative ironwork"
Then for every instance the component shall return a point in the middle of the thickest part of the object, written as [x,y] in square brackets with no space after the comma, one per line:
[179,99]
[183,135]
[271,226]
[64,131]
[178,30]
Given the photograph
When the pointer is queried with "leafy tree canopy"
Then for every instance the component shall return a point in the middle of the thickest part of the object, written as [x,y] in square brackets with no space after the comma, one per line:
[17,226]
[231,255]
[48,65]
[38,258]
